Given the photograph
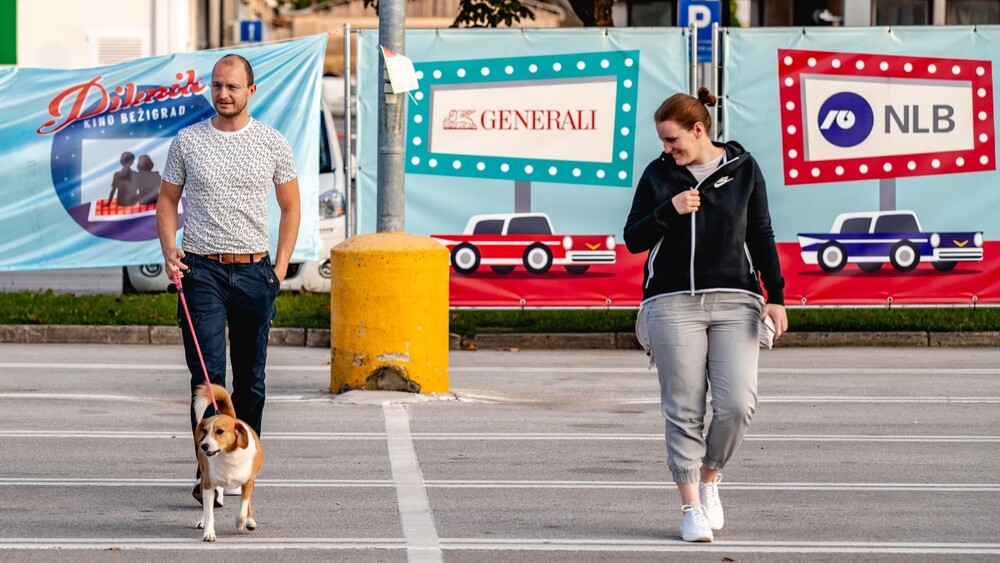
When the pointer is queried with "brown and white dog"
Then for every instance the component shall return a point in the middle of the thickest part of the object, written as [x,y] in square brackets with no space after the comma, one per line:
[229,456]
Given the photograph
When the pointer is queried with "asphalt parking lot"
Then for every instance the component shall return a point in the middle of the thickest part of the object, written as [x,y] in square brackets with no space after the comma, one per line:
[873,454]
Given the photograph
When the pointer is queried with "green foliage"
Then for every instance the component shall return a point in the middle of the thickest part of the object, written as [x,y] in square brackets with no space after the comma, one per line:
[733,20]
[491,13]
[471,322]
[312,310]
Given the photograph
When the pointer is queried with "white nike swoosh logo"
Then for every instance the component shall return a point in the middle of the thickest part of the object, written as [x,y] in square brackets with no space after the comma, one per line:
[723,181]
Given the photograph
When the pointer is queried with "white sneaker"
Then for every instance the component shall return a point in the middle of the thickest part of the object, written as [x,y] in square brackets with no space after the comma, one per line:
[709,495]
[694,526]
[236,491]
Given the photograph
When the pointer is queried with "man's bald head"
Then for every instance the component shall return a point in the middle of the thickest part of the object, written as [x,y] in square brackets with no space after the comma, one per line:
[233,58]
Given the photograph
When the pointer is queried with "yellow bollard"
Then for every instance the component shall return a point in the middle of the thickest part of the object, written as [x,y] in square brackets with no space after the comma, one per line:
[389,314]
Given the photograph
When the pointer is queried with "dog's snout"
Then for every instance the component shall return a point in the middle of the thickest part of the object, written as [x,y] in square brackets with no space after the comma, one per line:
[204,447]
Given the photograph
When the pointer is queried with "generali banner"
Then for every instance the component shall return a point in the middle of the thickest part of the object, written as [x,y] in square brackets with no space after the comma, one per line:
[81,150]
[523,165]
[878,148]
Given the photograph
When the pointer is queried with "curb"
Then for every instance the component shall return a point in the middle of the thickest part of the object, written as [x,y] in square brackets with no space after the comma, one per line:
[320,338]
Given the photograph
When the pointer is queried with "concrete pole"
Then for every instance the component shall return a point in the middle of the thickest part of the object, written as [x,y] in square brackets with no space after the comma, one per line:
[391,149]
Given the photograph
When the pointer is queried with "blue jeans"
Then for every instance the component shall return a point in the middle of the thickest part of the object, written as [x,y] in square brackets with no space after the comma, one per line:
[697,341]
[241,295]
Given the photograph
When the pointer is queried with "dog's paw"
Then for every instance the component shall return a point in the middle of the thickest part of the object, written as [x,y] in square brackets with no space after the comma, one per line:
[209,535]
[200,525]
[245,523]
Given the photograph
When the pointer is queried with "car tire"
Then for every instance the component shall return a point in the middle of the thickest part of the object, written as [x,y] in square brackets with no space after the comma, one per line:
[502,270]
[832,257]
[537,258]
[869,267]
[465,258]
[904,256]
[944,266]
[577,270]
[127,287]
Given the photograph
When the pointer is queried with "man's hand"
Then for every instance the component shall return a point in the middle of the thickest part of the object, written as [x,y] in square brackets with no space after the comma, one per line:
[281,270]
[172,262]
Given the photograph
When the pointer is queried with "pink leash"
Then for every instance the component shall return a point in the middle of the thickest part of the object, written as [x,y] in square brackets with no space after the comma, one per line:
[187,313]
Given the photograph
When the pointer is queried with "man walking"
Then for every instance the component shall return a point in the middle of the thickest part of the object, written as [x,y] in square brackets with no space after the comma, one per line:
[226,166]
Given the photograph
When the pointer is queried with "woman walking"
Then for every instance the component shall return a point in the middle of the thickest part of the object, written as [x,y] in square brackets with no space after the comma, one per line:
[700,211]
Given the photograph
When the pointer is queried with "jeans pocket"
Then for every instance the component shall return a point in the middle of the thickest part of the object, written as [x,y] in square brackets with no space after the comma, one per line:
[189,274]
[270,276]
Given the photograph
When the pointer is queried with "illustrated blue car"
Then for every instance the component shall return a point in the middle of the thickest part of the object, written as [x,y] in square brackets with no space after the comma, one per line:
[870,239]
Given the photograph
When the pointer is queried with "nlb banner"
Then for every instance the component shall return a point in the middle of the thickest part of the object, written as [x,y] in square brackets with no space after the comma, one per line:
[82,150]
[879,151]
[862,116]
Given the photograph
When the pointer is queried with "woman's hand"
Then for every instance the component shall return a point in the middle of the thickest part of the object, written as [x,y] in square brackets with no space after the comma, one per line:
[687,201]
[778,315]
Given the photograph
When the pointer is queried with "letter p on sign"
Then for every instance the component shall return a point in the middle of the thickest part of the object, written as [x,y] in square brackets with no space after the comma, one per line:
[699,16]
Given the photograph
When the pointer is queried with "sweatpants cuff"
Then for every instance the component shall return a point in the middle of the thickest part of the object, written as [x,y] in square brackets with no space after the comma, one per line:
[712,464]
[682,476]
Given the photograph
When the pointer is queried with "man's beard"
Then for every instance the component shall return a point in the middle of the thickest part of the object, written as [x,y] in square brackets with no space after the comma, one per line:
[232,112]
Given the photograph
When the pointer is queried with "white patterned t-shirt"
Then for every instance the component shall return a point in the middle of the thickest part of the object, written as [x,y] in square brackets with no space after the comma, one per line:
[227,178]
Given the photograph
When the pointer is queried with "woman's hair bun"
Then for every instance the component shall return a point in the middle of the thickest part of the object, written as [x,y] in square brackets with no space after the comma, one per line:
[706,97]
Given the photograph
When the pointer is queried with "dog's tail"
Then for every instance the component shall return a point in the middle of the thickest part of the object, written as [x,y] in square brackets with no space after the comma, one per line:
[203,400]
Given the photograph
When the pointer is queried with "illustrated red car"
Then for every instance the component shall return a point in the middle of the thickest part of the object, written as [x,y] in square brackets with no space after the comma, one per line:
[506,240]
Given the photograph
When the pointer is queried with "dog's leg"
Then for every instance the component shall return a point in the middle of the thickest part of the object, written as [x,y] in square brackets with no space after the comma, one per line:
[208,515]
[245,517]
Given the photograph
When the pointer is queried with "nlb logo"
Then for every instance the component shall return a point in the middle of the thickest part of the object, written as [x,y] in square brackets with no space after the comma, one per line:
[846,119]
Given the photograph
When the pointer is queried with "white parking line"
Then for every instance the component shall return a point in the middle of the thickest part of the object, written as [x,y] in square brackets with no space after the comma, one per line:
[844,399]
[516,436]
[863,370]
[501,484]
[180,544]
[511,544]
[913,548]
[414,507]
[860,370]
[320,398]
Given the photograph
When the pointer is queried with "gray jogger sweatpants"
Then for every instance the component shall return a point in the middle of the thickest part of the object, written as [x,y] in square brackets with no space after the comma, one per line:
[697,341]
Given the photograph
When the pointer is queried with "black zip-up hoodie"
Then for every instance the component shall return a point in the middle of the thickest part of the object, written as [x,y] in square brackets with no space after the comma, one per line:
[730,241]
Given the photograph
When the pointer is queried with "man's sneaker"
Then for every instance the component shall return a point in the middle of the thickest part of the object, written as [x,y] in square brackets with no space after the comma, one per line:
[694,526]
[709,495]
[234,492]
[196,493]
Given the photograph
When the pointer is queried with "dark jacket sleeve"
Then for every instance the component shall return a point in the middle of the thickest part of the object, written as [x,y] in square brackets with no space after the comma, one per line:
[760,240]
[648,219]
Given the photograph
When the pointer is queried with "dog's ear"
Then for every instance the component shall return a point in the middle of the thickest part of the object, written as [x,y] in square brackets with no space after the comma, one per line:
[242,436]
[199,432]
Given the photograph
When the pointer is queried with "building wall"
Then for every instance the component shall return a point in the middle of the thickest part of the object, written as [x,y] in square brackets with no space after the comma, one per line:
[75,34]
[419,15]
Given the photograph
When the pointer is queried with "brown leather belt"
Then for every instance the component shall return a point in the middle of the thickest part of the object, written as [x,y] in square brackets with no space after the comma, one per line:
[236,258]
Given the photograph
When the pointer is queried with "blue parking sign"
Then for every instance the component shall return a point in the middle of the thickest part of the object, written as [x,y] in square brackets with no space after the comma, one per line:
[251,31]
[701,14]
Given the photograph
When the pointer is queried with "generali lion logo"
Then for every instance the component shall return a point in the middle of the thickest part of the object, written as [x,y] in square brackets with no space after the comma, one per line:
[460,119]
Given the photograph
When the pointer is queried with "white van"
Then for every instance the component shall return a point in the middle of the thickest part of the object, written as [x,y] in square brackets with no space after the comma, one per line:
[311,275]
